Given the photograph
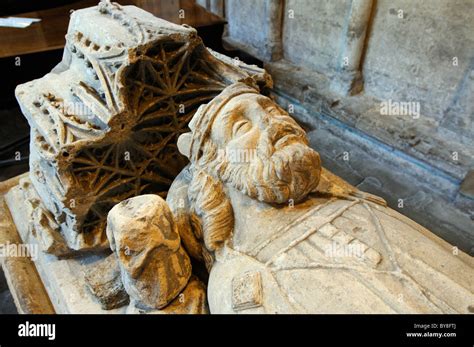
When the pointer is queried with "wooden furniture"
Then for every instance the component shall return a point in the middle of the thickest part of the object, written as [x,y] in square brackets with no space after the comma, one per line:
[49,34]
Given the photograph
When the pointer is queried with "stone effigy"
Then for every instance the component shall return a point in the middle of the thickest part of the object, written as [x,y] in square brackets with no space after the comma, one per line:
[276,231]
[280,236]
[105,121]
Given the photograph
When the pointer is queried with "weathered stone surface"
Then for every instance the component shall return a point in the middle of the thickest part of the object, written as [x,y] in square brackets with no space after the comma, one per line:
[154,266]
[25,286]
[214,6]
[105,283]
[284,237]
[105,121]
[299,41]
[408,57]
[63,277]
[428,74]
[278,233]
[467,186]
[192,300]
[253,24]
[318,36]
[41,223]
[419,196]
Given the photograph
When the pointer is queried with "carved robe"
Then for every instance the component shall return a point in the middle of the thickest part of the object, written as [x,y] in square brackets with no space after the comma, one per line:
[334,253]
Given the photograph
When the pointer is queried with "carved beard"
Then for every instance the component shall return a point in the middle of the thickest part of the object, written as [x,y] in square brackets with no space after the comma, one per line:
[290,173]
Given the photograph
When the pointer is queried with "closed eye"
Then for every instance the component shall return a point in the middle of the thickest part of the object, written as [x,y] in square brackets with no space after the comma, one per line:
[240,126]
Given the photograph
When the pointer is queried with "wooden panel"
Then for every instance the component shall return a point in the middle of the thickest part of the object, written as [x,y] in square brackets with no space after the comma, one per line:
[49,33]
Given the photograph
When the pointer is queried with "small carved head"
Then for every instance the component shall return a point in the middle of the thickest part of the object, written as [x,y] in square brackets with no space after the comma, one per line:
[145,239]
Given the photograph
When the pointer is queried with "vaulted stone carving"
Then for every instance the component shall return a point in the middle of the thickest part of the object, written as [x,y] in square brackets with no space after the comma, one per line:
[105,121]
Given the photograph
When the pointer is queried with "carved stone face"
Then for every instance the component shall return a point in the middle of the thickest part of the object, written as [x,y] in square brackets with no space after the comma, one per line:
[254,123]
[260,150]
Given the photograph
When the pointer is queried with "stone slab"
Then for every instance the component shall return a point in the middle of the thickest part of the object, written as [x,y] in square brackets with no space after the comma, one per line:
[63,279]
[23,280]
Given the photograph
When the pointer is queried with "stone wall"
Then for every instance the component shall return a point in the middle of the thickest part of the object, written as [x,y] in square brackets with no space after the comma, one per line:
[299,42]
[385,88]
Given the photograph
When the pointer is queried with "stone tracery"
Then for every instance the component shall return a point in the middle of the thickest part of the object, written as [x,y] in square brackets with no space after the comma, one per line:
[105,122]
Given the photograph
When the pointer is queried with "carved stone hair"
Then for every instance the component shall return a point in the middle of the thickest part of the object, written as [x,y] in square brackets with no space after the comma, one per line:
[290,173]
[212,207]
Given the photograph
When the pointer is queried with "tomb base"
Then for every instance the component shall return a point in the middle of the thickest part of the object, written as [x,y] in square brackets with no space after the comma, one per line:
[45,284]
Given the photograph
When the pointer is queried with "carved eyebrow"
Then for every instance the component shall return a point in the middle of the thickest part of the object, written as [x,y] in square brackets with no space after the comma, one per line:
[230,117]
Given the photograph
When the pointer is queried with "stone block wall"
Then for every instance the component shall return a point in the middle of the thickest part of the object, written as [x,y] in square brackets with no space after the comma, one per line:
[423,56]
[299,42]
[385,88]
